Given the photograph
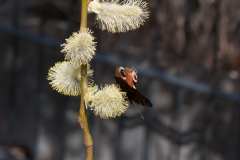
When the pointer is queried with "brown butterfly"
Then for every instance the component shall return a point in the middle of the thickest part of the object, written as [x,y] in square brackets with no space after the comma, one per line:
[127,79]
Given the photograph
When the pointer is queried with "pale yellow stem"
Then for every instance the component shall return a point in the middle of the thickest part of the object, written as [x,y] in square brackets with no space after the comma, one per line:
[82,119]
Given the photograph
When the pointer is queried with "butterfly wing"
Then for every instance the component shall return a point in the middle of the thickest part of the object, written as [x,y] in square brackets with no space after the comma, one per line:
[132,94]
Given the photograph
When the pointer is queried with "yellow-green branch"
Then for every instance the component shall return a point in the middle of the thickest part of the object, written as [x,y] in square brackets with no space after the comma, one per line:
[82,111]
[84,14]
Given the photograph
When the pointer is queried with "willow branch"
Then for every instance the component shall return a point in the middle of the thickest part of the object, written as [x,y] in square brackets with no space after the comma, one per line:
[82,119]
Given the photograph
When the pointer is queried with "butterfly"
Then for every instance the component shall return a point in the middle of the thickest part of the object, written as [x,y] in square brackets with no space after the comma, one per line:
[127,80]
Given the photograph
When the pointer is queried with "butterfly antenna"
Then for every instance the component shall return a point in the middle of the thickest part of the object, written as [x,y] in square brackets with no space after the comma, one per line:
[138,110]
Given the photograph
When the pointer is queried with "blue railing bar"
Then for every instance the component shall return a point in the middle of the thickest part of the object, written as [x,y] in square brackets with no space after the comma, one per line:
[31,36]
[149,72]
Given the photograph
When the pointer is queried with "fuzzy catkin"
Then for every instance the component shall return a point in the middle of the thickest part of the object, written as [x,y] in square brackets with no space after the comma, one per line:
[109,102]
[119,17]
[80,48]
[65,78]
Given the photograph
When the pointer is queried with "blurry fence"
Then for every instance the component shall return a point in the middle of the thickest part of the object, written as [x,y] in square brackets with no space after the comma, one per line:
[27,114]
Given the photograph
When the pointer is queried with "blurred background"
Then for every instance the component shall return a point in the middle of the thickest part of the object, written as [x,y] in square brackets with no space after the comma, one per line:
[188,59]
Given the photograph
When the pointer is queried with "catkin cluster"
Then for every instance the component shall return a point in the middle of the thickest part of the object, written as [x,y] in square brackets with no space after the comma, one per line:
[80,48]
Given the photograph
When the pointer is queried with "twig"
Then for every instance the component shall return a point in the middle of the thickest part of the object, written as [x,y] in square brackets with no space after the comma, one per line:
[82,119]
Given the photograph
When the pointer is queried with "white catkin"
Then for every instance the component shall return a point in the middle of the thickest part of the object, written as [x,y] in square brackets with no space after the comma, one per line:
[119,17]
[109,102]
[80,48]
[65,78]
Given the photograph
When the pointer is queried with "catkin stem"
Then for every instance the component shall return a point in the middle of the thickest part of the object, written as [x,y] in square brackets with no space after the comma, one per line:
[82,119]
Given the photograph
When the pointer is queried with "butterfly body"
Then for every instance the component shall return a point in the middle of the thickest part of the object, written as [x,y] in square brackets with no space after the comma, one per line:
[127,79]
